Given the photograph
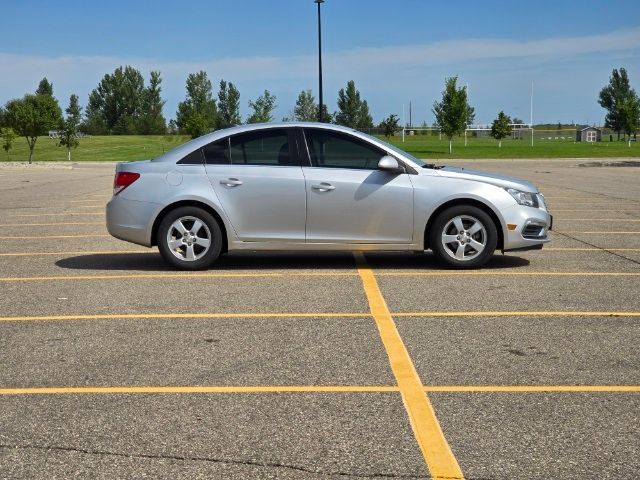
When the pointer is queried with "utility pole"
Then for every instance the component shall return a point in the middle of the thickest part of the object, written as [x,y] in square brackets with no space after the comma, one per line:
[320,104]
[531,113]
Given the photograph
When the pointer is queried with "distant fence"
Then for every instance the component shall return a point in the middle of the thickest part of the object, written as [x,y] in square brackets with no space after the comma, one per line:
[57,133]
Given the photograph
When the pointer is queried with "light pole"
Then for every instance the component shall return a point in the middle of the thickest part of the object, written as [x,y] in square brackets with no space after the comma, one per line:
[320,105]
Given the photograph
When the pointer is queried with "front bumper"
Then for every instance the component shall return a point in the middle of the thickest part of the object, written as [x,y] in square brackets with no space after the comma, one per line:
[531,229]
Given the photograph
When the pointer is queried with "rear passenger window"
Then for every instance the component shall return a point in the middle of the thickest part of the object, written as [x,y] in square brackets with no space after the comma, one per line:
[217,153]
[263,147]
[194,158]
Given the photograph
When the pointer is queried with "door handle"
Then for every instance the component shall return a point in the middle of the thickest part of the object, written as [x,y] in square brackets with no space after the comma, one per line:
[323,187]
[231,182]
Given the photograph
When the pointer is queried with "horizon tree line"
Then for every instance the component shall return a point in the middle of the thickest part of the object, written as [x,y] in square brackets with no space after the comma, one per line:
[123,104]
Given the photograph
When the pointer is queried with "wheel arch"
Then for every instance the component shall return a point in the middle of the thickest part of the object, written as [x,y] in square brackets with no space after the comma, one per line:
[189,203]
[466,202]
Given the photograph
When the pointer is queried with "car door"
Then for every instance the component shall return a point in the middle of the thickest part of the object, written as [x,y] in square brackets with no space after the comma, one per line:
[258,180]
[348,199]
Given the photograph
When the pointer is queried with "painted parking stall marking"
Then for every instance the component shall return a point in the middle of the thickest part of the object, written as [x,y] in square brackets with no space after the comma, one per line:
[429,435]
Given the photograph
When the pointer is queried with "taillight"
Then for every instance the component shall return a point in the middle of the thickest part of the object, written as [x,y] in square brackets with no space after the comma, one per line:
[122,180]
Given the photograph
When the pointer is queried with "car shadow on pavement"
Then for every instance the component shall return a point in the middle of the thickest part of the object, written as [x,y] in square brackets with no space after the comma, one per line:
[153,262]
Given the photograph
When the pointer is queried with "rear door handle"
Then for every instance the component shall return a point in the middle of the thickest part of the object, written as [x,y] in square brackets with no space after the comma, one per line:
[231,182]
[323,187]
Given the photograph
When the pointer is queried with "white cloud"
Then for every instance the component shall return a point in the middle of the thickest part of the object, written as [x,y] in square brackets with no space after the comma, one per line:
[396,70]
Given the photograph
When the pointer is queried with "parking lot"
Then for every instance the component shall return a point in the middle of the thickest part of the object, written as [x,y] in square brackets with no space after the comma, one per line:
[336,365]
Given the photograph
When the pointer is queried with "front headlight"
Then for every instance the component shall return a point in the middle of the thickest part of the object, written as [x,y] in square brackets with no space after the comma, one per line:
[524,198]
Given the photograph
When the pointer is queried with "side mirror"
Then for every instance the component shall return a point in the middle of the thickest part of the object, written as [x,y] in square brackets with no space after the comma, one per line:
[390,165]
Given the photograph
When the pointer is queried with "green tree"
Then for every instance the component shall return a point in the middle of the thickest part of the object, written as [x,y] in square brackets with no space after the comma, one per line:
[197,114]
[352,110]
[33,115]
[228,105]
[306,109]
[262,108]
[115,105]
[45,87]
[8,136]
[453,114]
[151,121]
[196,125]
[630,116]
[69,126]
[501,128]
[613,97]
[390,125]
[172,127]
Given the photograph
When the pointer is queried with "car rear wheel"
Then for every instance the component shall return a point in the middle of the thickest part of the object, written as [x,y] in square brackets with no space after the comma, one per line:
[463,237]
[189,238]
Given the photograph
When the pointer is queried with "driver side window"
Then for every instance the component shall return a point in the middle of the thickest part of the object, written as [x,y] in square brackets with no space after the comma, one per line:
[329,149]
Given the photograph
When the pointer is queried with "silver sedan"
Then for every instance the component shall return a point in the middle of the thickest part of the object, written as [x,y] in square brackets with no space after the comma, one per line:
[313,186]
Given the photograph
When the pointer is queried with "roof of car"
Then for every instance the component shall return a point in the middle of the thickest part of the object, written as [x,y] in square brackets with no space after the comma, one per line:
[188,147]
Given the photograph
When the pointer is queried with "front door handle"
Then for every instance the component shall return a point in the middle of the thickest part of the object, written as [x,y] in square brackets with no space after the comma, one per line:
[323,187]
[231,182]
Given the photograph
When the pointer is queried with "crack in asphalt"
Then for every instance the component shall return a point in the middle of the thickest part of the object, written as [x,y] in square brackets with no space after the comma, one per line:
[185,458]
[566,235]
[573,189]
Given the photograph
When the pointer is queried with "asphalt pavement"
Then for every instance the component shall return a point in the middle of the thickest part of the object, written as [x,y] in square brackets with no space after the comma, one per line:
[315,366]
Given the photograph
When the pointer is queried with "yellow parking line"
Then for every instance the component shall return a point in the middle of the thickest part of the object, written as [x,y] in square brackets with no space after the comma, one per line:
[177,275]
[198,389]
[588,249]
[315,389]
[190,316]
[599,210]
[596,231]
[48,224]
[33,237]
[214,315]
[503,273]
[598,219]
[118,252]
[191,275]
[109,252]
[70,214]
[521,313]
[588,204]
[429,435]
[534,388]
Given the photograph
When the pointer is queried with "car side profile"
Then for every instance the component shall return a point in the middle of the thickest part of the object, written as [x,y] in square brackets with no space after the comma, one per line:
[315,186]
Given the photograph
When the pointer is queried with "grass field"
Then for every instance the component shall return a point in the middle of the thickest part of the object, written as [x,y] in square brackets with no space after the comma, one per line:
[430,147]
[100,148]
[138,147]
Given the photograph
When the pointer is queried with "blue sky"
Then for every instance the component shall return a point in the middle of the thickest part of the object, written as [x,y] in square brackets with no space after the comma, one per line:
[396,51]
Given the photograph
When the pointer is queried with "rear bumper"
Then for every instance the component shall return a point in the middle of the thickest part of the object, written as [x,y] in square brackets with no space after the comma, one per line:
[130,220]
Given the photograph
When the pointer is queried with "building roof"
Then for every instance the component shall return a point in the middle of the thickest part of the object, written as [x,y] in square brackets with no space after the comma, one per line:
[582,128]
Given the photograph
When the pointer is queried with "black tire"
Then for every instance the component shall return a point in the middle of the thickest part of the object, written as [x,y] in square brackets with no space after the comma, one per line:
[189,250]
[464,249]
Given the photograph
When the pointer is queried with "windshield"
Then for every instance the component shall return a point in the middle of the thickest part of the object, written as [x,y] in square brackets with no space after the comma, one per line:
[415,160]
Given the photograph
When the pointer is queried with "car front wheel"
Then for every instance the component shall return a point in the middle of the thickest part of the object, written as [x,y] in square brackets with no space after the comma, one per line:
[189,238]
[463,237]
